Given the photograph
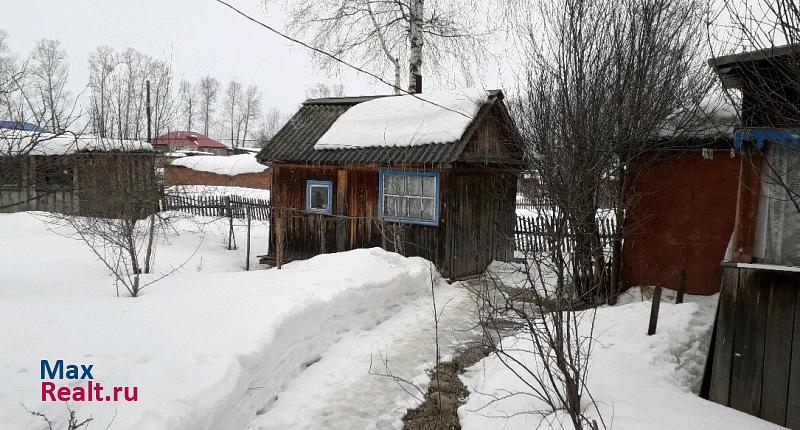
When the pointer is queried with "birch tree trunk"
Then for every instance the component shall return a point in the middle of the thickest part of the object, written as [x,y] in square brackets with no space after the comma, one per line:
[415,49]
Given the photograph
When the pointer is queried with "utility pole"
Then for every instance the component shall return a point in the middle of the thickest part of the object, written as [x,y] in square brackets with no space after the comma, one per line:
[149,136]
[154,209]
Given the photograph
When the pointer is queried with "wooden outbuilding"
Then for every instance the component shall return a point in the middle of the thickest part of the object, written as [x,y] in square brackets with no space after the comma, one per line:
[680,222]
[75,174]
[754,363]
[431,175]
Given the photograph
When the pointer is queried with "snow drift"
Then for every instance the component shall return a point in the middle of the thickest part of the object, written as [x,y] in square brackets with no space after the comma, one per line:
[222,165]
[206,350]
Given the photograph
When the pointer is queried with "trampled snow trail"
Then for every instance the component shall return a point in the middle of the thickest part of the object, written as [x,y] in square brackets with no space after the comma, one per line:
[338,391]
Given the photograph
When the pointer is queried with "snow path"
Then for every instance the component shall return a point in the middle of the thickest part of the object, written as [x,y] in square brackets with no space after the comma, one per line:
[207,347]
[338,391]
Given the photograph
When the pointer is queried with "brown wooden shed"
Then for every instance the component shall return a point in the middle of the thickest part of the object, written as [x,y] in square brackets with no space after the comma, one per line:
[75,174]
[450,201]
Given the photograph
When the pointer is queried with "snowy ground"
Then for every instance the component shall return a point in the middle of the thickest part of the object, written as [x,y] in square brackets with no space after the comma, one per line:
[640,381]
[212,346]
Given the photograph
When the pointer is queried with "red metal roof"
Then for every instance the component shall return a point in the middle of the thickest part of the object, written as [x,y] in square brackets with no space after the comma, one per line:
[187,139]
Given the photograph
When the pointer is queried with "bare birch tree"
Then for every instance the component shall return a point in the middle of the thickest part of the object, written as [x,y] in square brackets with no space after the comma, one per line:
[270,124]
[49,73]
[208,89]
[250,111]
[233,117]
[102,62]
[188,96]
[383,36]
[117,83]
[322,90]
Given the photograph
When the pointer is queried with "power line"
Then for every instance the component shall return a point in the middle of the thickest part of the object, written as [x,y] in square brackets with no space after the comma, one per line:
[333,57]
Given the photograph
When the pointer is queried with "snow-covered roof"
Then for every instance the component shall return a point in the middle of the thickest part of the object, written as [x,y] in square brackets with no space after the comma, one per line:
[15,142]
[407,120]
[222,165]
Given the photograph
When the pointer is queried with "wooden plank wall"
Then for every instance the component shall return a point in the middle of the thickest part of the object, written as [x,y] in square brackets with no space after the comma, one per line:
[756,362]
[476,223]
[98,181]
[480,217]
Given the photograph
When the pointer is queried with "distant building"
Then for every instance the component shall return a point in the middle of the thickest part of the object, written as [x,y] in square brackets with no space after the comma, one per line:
[188,142]
[235,171]
[24,126]
[75,174]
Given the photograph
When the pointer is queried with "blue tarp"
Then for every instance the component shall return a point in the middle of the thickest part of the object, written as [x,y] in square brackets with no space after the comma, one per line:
[18,125]
[760,136]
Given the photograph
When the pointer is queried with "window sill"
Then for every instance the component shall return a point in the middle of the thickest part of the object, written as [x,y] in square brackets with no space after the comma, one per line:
[410,221]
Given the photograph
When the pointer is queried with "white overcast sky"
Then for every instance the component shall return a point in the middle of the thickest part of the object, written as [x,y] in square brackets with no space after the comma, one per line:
[197,37]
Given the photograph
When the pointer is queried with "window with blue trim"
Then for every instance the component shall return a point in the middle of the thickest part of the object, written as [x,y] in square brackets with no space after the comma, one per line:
[409,196]
[319,197]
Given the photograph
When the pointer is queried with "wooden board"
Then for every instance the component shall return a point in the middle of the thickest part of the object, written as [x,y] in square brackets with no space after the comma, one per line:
[778,349]
[793,395]
[723,347]
[748,343]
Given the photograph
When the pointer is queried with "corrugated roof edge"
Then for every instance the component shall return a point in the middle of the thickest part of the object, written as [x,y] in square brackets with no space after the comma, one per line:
[436,150]
[344,100]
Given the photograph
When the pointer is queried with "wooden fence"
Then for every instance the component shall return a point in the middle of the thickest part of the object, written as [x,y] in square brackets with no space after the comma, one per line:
[217,206]
[536,234]
[531,203]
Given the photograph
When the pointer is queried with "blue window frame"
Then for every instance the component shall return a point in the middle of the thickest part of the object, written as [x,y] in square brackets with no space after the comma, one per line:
[409,196]
[319,197]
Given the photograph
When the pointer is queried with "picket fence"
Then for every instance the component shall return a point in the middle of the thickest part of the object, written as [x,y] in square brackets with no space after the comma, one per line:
[535,234]
[217,206]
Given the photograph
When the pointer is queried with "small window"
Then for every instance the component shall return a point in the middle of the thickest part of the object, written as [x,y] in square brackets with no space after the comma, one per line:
[10,171]
[319,197]
[409,196]
[54,174]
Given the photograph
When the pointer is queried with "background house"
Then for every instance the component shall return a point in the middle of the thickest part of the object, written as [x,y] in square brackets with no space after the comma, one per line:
[188,142]
[82,175]
[236,170]
[435,178]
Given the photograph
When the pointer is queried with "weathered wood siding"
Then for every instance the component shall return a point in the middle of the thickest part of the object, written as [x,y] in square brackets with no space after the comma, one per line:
[475,225]
[479,208]
[98,182]
[756,358]
[492,142]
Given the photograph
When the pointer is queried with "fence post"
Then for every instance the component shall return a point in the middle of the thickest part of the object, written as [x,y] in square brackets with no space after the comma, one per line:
[229,214]
[278,239]
[681,287]
[651,329]
[247,263]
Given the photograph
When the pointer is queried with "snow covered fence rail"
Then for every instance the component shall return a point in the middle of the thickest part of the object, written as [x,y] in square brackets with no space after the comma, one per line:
[219,206]
[536,233]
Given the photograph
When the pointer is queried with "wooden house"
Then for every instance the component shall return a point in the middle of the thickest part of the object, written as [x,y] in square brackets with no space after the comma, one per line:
[80,175]
[189,142]
[431,175]
[754,363]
